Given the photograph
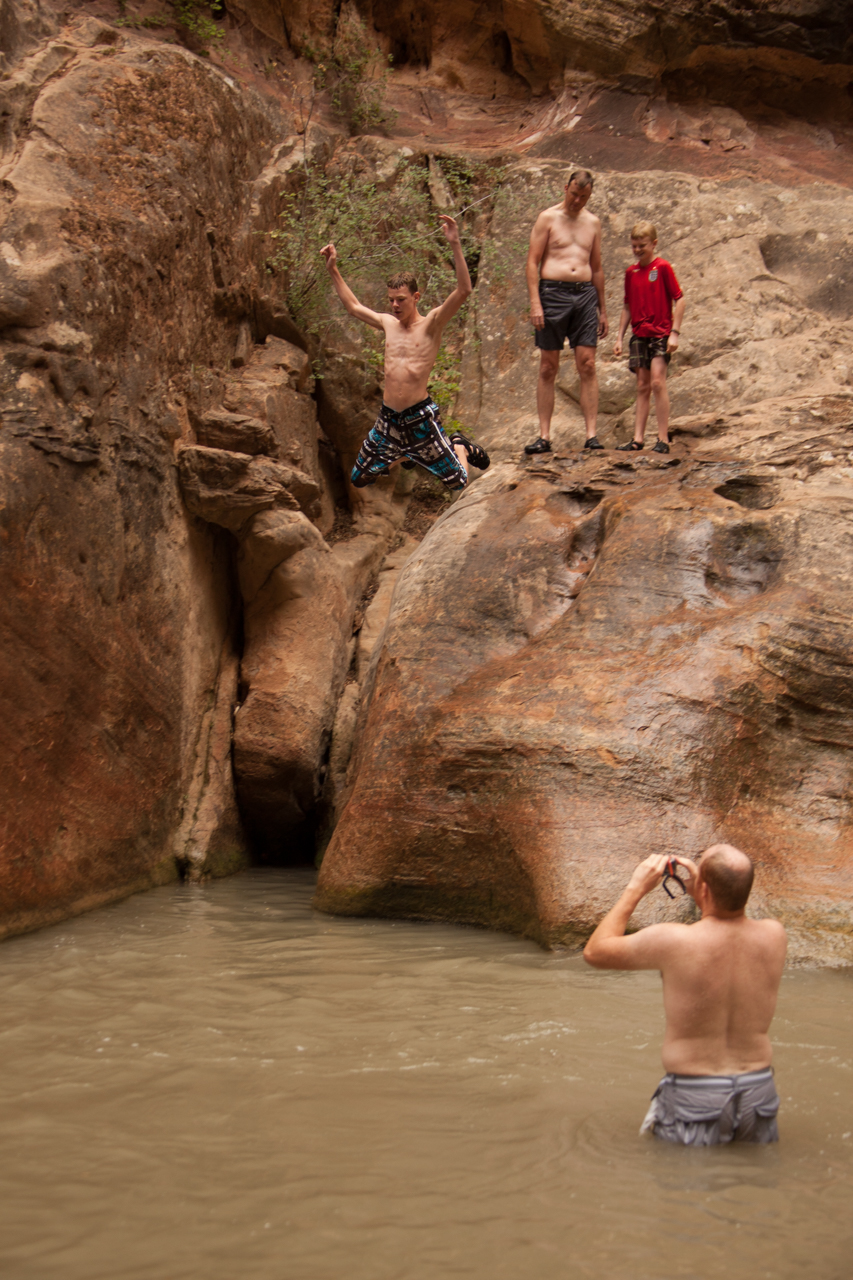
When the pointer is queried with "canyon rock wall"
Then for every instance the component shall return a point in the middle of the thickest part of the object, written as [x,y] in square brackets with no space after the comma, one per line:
[598,659]
[118,619]
[150,439]
[795,56]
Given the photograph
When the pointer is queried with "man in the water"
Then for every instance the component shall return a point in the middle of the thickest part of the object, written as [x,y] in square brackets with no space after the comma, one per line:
[565,281]
[720,982]
[409,424]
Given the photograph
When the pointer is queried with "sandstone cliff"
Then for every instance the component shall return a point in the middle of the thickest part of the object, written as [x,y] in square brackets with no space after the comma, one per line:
[184,563]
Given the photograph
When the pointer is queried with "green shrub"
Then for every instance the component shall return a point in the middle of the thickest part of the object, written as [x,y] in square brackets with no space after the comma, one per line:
[192,15]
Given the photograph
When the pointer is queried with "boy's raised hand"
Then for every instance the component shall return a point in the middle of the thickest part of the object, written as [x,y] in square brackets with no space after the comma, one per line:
[449,227]
[330,253]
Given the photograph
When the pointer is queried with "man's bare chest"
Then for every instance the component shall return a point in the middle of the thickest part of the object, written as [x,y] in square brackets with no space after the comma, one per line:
[565,236]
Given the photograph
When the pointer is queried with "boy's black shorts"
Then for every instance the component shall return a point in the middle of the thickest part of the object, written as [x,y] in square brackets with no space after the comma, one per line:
[571,311]
[642,351]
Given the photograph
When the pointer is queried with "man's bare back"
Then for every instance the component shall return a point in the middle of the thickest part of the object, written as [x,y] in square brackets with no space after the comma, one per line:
[720,982]
[720,976]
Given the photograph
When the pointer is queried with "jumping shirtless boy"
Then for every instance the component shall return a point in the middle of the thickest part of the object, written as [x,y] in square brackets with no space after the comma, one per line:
[409,424]
[565,280]
[720,982]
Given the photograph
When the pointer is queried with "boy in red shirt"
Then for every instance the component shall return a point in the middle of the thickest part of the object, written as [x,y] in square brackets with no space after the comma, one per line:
[650,290]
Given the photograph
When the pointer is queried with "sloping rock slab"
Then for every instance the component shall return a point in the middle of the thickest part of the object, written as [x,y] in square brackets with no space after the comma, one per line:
[593,660]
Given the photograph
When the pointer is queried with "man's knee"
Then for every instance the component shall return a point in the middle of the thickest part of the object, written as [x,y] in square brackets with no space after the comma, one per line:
[548,365]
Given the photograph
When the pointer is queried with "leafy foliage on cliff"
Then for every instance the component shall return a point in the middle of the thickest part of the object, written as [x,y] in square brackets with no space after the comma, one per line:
[194,16]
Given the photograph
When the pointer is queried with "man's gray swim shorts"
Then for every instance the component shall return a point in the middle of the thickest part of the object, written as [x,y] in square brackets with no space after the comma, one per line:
[571,311]
[701,1111]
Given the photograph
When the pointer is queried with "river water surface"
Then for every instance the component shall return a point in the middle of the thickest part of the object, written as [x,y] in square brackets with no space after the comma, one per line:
[218,1083]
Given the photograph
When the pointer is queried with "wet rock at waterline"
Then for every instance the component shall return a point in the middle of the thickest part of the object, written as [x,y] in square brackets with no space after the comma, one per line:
[594,659]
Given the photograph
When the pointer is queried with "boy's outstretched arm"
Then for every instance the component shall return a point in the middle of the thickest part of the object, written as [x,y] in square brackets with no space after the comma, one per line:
[464,288]
[345,293]
[677,317]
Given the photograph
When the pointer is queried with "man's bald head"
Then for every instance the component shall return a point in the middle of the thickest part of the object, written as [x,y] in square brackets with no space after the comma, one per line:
[728,873]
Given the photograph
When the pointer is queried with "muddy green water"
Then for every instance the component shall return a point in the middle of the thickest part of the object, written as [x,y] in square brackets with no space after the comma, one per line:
[219,1083]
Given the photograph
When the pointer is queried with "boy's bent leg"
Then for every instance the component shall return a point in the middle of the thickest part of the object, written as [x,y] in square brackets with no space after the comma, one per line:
[432,450]
[585,363]
[462,455]
[450,467]
[473,455]
[375,456]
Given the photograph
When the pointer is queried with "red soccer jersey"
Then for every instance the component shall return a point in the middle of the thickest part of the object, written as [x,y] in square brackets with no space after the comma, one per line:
[649,294]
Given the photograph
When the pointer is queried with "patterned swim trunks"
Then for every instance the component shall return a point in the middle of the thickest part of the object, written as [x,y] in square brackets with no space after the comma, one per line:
[642,351]
[415,434]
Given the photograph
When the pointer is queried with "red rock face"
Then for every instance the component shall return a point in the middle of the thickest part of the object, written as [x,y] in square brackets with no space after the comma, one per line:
[590,661]
[117,620]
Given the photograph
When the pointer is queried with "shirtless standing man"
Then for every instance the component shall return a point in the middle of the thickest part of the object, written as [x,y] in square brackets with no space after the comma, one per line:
[409,424]
[565,280]
[720,982]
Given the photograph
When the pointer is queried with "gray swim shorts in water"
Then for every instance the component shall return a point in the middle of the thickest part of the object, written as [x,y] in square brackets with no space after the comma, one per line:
[701,1111]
